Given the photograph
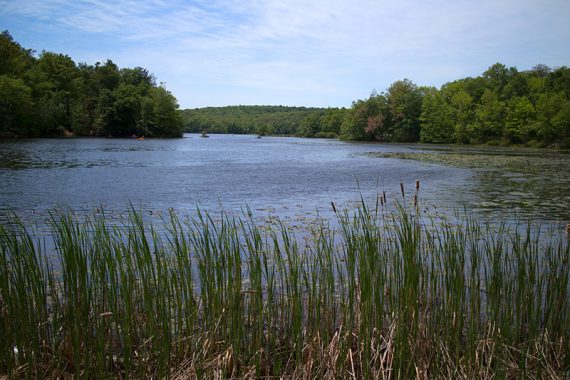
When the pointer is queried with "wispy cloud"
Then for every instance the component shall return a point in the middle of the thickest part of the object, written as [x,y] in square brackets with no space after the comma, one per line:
[313,52]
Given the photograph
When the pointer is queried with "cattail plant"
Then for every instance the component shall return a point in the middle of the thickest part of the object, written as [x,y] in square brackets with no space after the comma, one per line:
[389,294]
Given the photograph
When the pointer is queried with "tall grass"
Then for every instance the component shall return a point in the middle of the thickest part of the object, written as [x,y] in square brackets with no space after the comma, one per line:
[384,295]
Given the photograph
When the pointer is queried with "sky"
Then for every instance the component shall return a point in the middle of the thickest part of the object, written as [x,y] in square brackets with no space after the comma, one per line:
[317,53]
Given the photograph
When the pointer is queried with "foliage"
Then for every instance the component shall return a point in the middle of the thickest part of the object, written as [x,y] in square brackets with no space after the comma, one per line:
[311,124]
[15,105]
[366,119]
[280,120]
[437,126]
[404,104]
[386,295]
[520,115]
[51,95]
[501,106]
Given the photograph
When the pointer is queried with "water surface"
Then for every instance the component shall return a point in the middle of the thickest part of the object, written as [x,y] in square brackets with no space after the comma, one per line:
[292,178]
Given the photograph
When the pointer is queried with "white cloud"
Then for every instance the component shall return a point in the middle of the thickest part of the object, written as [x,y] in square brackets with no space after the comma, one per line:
[319,52]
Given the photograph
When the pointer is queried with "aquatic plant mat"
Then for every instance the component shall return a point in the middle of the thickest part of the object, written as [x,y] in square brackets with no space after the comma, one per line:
[382,295]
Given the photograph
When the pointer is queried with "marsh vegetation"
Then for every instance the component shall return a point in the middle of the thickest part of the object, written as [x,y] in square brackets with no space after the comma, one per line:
[384,294]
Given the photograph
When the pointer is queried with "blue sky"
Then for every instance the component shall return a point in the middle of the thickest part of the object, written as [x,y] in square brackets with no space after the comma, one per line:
[295,52]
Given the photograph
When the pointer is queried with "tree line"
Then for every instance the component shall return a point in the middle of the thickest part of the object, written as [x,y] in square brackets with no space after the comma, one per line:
[48,94]
[51,95]
[503,106]
[279,120]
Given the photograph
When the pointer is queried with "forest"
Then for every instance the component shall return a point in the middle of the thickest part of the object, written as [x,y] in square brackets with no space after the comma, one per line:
[503,106]
[279,120]
[48,94]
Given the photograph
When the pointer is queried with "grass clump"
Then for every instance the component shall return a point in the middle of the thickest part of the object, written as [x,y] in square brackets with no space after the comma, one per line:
[384,295]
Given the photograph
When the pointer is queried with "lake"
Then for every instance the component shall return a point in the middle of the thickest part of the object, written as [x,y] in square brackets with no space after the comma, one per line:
[294,179]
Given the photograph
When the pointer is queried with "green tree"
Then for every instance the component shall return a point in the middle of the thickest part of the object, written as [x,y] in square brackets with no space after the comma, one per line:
[247,119]
[107,75]
[489,118]
[536,87]
[559,80]
[463,113]
[405,107]
[378,123]
[541,70]
[59,73]
[51,94]
[517,86]
[474,87]
[519,119]
[137,77]
[332,120]
[367,119]
[122,112]
[497,77]
[14,59]
[167,121]
[311,125]
[85,111]
[436,119]
[353,126]
[15,107]
[553,117]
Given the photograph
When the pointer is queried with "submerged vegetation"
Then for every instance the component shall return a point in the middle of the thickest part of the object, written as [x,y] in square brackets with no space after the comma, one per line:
[381,295]
[505,178]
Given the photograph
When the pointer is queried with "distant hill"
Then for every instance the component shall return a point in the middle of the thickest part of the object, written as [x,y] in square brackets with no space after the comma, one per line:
[281,120]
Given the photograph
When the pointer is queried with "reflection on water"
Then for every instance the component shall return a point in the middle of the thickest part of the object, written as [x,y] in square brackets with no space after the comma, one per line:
[293,179]
[18,157]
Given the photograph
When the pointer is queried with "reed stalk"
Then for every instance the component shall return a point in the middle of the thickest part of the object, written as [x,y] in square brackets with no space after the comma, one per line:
[372,294]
